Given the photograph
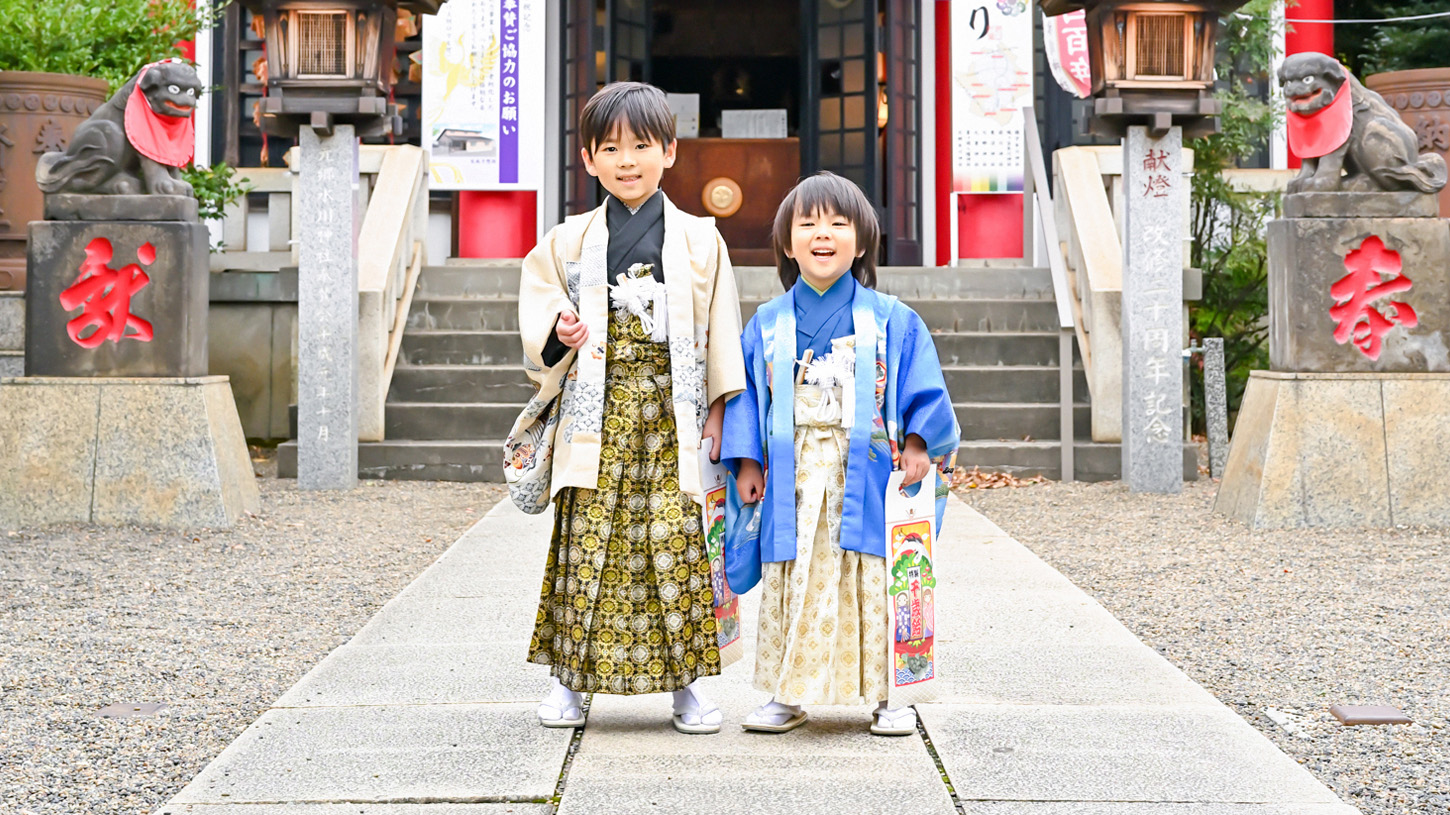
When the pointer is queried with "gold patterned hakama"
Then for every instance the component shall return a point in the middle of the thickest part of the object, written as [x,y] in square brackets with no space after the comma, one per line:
[626,605]
[824,633]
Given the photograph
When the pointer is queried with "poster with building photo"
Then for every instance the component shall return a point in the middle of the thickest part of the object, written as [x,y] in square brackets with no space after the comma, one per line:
[483,95]
[991,85]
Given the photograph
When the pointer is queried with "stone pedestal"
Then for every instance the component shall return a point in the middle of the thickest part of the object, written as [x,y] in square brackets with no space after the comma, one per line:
[117,297]
[1155,193]
[157,451]
[1347,450]
[1391,315]
[327,311]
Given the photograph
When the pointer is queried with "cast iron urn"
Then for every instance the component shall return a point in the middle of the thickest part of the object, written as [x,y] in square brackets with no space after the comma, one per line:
[1152,62]
[331,62]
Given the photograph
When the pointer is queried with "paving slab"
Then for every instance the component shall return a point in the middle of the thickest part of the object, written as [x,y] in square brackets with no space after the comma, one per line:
[488,671]
[1124,753]
[444,753]
[1061,673]
[1120,808]
[357,809]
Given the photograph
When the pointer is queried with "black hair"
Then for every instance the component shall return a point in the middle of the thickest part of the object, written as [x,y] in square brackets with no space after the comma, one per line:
[640,106]
[827,192]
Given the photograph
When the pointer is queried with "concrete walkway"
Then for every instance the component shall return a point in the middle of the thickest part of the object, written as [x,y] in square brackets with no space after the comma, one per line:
[1048,707]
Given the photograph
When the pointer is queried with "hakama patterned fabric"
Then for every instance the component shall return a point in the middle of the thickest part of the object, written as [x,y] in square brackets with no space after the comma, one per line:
[627,605]
[824,632]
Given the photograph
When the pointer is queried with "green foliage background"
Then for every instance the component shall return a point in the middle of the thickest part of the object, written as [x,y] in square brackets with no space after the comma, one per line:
[1369,48]
[107,39]
[1229,243]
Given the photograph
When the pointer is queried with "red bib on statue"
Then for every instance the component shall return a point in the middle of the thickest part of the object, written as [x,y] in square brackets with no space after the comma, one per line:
[1322,132]
[168,140]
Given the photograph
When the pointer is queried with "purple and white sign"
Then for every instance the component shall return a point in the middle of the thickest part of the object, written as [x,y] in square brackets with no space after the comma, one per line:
[483,94]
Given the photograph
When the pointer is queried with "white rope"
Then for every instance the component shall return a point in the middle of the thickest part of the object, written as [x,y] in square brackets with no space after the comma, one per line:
[1430,16]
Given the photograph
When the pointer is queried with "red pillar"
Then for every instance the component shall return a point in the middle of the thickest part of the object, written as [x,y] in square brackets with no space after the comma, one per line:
[496,223]
[1308,37]
[989,224]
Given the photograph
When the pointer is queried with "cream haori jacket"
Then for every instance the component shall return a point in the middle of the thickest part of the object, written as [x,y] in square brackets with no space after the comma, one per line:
[567,271]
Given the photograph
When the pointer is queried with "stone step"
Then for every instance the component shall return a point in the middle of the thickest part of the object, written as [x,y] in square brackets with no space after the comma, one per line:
[12,321]
[435,312]
[490,420]
[12,363]
[481,461]
[507,384]
[470,461]
[501,279]
[1092,461]
[433,347]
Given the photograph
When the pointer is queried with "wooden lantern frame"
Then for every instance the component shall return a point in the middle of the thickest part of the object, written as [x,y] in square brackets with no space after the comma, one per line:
[1174,88]
[362,51]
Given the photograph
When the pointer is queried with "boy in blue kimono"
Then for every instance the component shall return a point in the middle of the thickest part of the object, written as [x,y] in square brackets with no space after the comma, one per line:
[842,387]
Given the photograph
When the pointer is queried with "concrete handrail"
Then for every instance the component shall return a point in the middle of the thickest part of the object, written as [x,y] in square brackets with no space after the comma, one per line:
[1045,217]
[390,252]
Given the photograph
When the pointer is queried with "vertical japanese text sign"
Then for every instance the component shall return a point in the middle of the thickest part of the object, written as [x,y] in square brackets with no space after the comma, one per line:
[483,94]
[1155,194]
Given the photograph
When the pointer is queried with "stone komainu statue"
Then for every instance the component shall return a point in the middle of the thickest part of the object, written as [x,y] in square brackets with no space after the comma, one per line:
[1336,124]
[135,143]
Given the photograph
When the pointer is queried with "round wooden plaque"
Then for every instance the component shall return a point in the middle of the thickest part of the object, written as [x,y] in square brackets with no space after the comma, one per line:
[721,197]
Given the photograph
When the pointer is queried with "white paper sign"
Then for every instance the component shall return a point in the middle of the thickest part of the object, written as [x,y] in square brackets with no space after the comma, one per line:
[483,95]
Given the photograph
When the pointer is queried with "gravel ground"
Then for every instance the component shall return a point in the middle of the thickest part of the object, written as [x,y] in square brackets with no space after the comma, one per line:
[215,624]
[1293,621]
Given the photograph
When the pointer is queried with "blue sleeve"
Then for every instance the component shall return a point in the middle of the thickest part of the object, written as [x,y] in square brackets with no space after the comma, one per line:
[926,407]
[741,433]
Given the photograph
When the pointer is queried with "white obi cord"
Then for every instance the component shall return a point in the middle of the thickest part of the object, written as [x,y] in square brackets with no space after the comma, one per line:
[836,369]
[644,297]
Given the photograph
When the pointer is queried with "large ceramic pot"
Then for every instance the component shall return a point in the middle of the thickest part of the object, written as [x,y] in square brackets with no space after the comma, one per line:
[38,113]
[1422,98]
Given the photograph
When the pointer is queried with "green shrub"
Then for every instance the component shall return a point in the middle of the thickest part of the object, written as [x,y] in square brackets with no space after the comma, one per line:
[106,39]
[215,187]
[1228,226]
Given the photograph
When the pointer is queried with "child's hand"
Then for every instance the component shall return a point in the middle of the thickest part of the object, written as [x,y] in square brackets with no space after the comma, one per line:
[714,424]
[914,460]
[571,330]
[751,481]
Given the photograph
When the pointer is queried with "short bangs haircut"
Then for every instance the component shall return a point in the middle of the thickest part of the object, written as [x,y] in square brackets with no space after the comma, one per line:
[828,193]
[641,107]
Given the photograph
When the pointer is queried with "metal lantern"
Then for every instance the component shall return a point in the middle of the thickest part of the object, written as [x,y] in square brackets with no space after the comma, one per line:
[1152,62]
[331,62]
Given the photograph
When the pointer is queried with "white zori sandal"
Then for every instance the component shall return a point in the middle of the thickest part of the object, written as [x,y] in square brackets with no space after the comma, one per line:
[695,714]
[773,717]
[898,722]
[562,707]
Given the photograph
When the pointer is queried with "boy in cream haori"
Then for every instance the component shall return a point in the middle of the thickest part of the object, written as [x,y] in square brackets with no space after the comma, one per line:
[630,310]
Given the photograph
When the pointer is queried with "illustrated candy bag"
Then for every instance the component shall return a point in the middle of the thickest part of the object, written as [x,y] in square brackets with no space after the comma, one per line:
[727,603]
[911,590]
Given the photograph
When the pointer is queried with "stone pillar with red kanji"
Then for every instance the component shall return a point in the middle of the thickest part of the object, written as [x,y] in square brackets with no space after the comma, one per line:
[1350,427]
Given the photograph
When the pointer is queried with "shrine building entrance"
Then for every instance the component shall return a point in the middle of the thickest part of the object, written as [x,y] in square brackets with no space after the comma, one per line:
[765,92]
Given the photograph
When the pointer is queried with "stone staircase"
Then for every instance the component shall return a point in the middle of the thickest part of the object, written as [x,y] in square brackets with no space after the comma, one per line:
[458,386]
[12,333]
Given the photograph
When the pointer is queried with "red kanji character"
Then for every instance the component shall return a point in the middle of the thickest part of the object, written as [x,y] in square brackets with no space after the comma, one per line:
[1156,160]
[1357,319]
[1157,186]
[105,294]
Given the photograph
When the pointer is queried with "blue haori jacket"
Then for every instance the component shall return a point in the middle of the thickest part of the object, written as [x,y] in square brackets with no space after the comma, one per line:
[899,391]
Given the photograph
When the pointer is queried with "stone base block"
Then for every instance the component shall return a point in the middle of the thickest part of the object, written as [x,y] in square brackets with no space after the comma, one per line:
[1328,451]
[155,452]
[1307,257]
[158,329]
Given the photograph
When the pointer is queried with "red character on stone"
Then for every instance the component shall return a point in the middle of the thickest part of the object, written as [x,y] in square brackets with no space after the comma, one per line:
[105,293]
[1355,293]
